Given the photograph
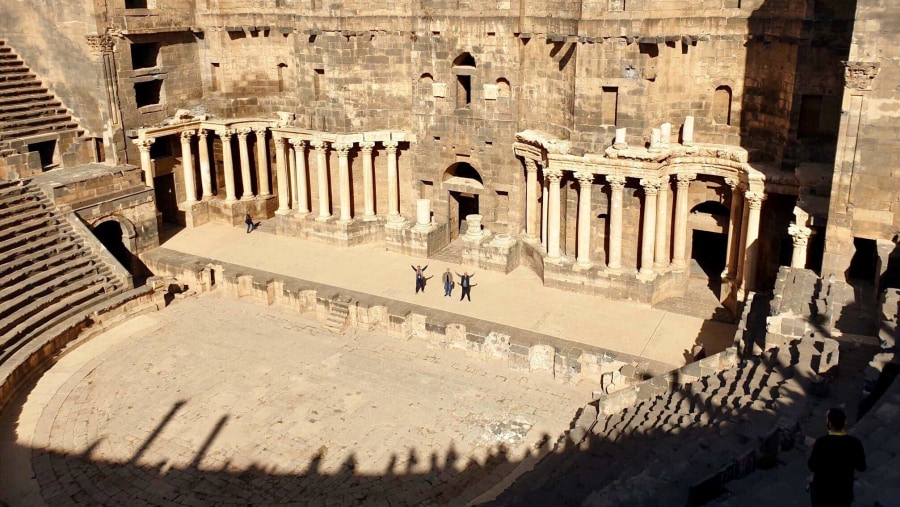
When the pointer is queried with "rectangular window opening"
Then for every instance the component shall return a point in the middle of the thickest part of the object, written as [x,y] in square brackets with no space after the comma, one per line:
[144,55]
[148,93]
[135,4]
[318,81]
[47,151]
[609,103]
[216,76]
[463,91]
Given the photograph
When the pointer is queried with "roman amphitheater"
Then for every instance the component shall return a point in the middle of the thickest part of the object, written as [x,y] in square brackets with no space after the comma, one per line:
[682,218]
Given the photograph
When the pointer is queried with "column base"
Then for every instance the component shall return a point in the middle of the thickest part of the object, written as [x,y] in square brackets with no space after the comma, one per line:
[530,239]
[678,267]
[369,218]
[283,212]
[247,198]
[646,274]
[323,218]
[207,197]
[583,266]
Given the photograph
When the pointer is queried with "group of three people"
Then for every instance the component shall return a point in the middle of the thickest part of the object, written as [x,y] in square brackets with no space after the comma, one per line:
[465,282]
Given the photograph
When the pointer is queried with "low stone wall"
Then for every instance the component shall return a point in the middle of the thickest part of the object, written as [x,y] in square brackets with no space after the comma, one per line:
[331,231]
[41,352]
[233,213]
[518,348]
[407,240]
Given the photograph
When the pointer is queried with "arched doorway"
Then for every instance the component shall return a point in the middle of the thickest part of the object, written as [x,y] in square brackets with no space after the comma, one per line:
[464,184]
[709,242]
[116,237]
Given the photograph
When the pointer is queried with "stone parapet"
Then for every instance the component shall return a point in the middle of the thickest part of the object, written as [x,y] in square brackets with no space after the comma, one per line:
[409,240]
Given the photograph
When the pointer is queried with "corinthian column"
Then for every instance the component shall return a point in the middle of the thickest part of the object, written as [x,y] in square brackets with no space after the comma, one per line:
[302,203]
[584,218]
[228,163]
[754,202]
[146,162]
[393,179]
[531,200]
[284,190]
[661,253]
[733,235]
[545,207]
[651,189]
[683,184]
[617,186]
[321,148]
[343,150]
[187,167]
[262,162]
[368,178]
[205,176]
[553,218]
[800,235]
[245,164]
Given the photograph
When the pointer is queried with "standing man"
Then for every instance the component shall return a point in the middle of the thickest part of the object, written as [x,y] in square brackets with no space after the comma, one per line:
[420,277]
[448,282]
[833,460]
[249,221]
[465,282]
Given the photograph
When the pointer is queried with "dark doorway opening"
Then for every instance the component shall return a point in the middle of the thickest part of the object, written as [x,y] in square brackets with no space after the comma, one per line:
[708,254]
[864,261]
[166,200]
[111,235]
[47,151]
[461,205]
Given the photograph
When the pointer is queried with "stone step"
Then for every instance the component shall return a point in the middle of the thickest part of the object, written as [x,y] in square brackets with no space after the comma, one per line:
[66,276]
[7,55]
[38,229]
[17,107]
[12,225]
[33,267]
[17,117]
[13,124]
[20,86]
[64,123]
[17,204]
[10,62]
[26,99]
[14,339]
[47,245]
[14,69]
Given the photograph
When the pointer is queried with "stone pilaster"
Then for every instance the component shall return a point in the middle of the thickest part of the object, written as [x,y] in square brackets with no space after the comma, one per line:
[228,163]
[679,249]
[585,180]
[262,163]
[302,178]
[245,164]
[321,148]
[187,167]
[553,217]
[651,190]
[146,162]
[617,187]
[343,150]
[368,178]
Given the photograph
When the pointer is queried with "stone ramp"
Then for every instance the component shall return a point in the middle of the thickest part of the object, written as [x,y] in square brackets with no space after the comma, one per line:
[47,272]
[678,448]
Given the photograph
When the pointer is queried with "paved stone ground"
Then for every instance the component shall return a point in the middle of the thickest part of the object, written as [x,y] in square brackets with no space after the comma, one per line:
[215,400]
[517,299]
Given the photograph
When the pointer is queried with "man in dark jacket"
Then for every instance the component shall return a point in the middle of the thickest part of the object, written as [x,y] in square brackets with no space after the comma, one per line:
[465,283]
[420,277]
[833,460]
[249,221]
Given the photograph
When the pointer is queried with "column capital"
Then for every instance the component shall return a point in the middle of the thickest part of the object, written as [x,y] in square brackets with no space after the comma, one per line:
[260,131]
[391,146]
[226,135]
[186,135]
[278,137]
[616,181]
[144,144]
[650,185]
[242,133]
[531,165]
[799,234]
[343,149]
[554,175]
[298,144]
[203,133]
[754,199]
[683,180]
[733,184]
[319,145]
[367,146]
[584,178]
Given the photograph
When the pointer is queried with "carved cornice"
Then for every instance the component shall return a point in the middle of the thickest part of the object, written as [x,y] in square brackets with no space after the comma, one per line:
[859,75]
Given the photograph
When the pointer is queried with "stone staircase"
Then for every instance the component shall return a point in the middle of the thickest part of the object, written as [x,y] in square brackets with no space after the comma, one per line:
[682,447]
[47,273]
[337,316]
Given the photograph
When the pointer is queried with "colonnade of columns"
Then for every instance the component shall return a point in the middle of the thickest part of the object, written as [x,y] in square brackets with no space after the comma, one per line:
[291,169]
[654,254]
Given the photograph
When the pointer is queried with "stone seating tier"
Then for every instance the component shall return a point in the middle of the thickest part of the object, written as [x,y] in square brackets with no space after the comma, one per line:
[47,273]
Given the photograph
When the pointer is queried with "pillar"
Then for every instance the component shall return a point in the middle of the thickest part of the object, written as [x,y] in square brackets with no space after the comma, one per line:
[553,217]
[617,187]
[187,167]
[291,155]
[302,178]
[284,198]
[754,206]
[661,253]
[683,185]
[368,178]
[800,236]
[741,250]
[343,150]
[262,162]
[651,190]
[733,235]
[620,142]
[687,132]
[584,218]
[531,200]
[245,164]
[205,176]
[146,162]
[228,163]
[393,179]
[545,207]
[321,148]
